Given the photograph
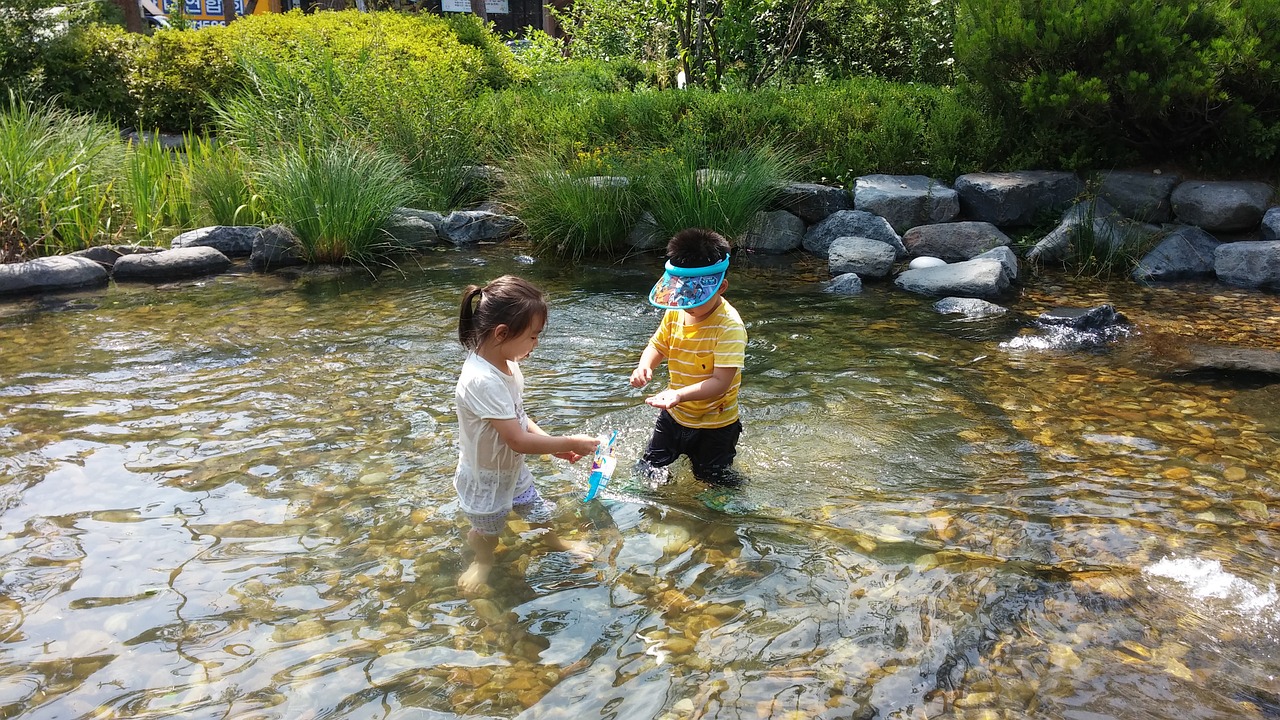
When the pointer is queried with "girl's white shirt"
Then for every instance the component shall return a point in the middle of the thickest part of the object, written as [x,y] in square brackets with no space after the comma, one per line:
[490,474]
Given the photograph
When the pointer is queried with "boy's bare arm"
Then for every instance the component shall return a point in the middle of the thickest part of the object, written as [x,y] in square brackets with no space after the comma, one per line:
[713,387]
[649,360]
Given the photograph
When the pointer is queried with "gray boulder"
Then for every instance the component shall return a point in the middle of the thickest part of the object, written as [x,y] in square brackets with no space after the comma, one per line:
[1271,225]
[864,256]
[1187,252]
[1139,195]
[60,272]
[1248,264]
[1006,256]
[774,233]
[1099,317]
[171,264]
[1221,206]
[971,308]
[468,227]
[846,284]
[851,223]
[1198,357]
[411,233]
[434,218]
[978,278]
[646,235]
[1016,198]
[1076,329]
[276,247]
[906,200]
[1091,221]
[954,241]
[106,255]
[230,240]
[812,202]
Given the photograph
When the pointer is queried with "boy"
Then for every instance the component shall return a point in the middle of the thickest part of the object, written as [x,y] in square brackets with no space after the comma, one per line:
[704,342]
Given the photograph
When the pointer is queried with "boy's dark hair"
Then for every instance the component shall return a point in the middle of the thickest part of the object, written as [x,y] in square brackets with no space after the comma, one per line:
[509,300]
[697,247]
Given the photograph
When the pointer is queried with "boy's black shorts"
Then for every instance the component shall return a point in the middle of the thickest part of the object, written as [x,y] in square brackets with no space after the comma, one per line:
[710,450]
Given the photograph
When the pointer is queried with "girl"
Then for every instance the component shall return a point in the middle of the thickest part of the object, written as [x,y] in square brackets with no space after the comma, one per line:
[499,325]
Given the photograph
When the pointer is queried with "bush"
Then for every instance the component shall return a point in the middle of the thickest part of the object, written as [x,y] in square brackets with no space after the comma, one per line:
[175,73]
[27,29]
[88,69]
[1101,82]
[500,68]
[837,130]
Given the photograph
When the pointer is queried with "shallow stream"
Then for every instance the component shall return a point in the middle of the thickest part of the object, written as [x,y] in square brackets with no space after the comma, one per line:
[231,499]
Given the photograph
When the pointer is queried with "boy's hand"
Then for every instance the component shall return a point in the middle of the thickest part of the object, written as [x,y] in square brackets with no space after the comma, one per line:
[641,377]
[666,399]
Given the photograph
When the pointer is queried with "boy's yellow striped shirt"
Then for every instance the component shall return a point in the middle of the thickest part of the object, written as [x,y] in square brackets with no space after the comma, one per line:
[693,352]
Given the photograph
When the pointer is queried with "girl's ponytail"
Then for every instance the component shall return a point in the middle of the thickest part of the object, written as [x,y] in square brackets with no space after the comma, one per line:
[471,298]
[508,300]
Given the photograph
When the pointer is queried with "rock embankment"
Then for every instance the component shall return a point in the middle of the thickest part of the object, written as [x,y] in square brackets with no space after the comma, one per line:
[879,230]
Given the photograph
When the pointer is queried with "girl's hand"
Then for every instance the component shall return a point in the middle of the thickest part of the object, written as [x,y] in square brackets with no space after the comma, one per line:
[572,457]
[641,377]
[666,399]
[581,445]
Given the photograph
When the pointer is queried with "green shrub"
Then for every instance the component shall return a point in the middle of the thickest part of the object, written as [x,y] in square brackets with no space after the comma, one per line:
[177,71]
[27,30]
[838,130]
[500,68]
[335,198]
[88,69]
[56,175]
[572,212]
[286,103]
[1099,82]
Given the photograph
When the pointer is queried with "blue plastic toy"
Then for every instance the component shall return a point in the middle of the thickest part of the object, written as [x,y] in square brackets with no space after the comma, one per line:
[602,465]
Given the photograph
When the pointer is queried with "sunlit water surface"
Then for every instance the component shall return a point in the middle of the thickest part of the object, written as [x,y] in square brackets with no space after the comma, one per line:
[232,499]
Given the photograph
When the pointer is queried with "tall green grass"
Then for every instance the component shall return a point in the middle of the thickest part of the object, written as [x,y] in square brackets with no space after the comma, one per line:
[57,171]
[336,198]
[157,188]
[572,211]
[220,186]
[724,193]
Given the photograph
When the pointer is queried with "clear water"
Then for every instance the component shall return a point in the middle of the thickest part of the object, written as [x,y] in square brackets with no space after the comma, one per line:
[232,499]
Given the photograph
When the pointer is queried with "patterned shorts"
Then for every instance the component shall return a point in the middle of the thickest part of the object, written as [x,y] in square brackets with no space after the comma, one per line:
[529,505]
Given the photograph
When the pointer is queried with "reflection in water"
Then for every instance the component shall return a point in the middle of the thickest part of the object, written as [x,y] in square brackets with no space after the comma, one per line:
[233,499]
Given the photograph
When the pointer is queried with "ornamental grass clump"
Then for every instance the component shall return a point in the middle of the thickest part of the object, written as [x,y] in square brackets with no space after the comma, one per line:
[575,211]
[220,188]
[335,198]
[57,171]
[157,189]
[723,194]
